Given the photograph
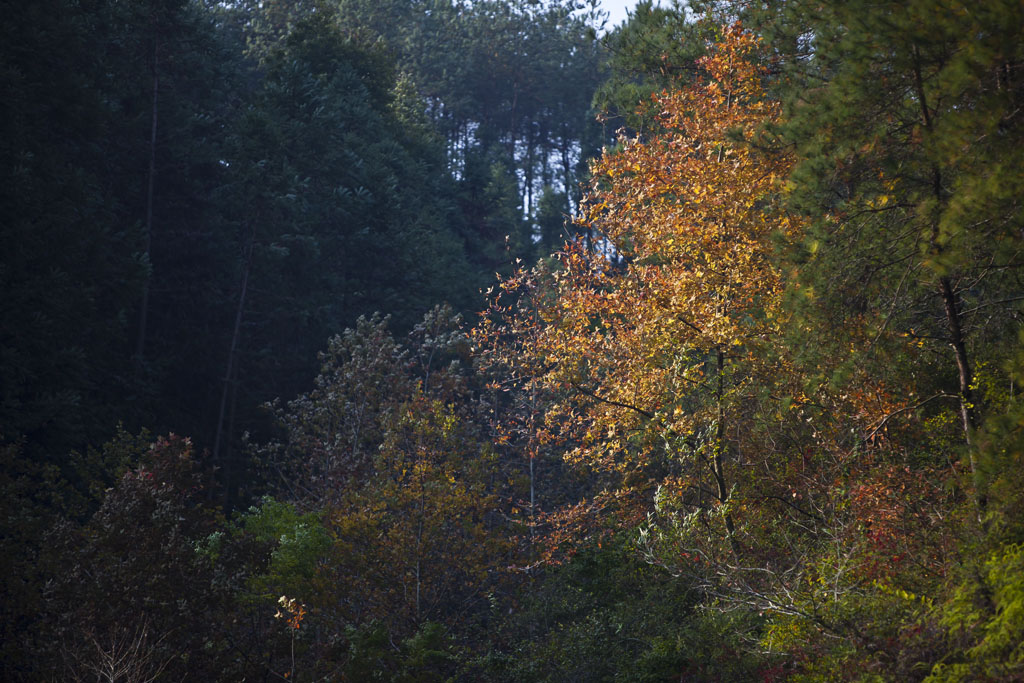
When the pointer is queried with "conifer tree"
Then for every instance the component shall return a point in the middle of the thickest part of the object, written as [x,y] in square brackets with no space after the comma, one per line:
[907,119]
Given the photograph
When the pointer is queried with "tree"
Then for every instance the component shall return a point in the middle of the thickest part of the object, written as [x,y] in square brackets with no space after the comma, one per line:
[904,115]
[906,301]
[132,592]
[389,450]
[82,153]
[61,306]
[339,206]
[655,343]
[654,50]
[508,85]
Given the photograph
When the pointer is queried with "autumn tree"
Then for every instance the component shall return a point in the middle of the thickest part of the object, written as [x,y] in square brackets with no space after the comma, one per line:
[652,343]
[389,451]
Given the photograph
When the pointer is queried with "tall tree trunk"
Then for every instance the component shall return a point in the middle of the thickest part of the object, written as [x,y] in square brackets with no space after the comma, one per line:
[954,314]
[140,341]
[718,467]
[419,539]
[227,458]
[968,415]
[566,173]
[533,457]
[951,304]
[528,190]
[231,369]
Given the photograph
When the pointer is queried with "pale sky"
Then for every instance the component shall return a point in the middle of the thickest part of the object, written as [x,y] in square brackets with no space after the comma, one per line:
[617,11]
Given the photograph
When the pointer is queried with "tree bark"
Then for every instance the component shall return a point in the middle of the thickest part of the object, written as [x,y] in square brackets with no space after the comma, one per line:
[718,468]
[953,314]
[140,342]
[968,414]
[231,369]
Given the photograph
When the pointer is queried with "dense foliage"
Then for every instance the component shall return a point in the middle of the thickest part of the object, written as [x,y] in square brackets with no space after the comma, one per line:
[742,404]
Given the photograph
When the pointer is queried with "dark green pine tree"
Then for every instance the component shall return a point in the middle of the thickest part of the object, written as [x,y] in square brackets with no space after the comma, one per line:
[108,117]
[342,206]
[653,50]
[182,97]
[908,118]
[507,83]
[113,148]
[553,222]
[70,273]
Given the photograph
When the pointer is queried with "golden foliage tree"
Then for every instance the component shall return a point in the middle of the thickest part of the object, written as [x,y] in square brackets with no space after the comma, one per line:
[650,340]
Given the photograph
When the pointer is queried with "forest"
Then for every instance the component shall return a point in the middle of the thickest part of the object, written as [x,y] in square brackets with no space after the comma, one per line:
[451,340]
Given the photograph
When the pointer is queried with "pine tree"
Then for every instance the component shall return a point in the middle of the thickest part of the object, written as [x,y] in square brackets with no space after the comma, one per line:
[906,115]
